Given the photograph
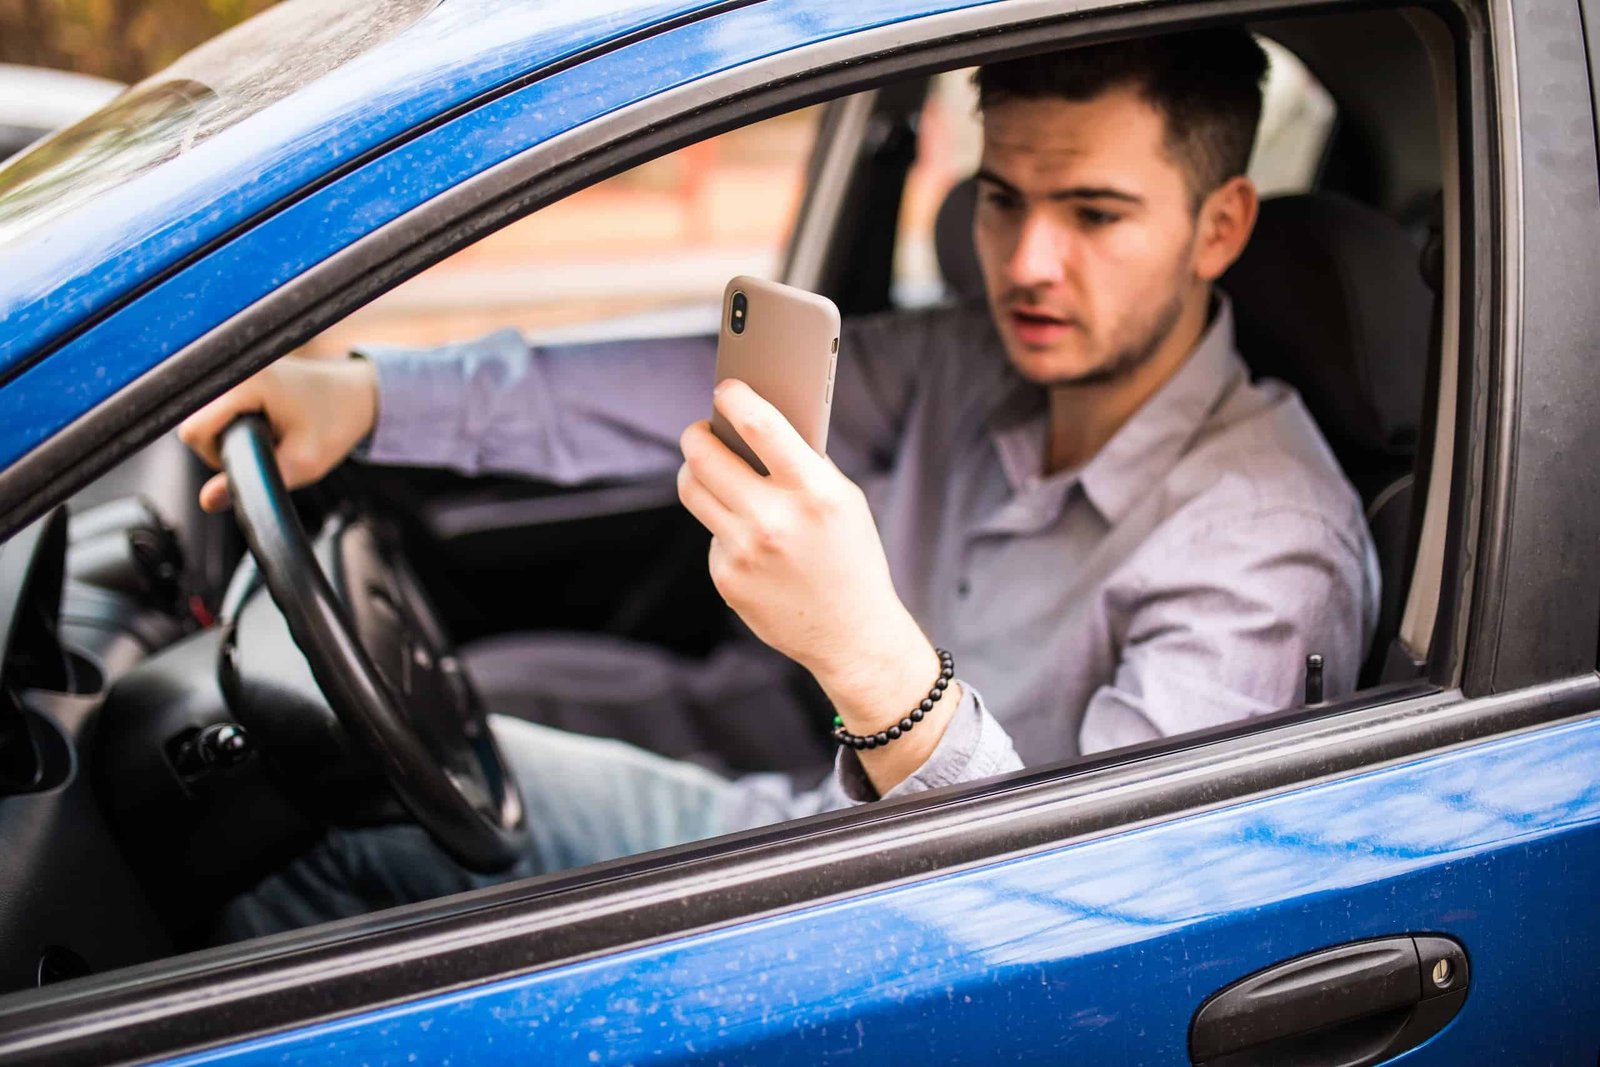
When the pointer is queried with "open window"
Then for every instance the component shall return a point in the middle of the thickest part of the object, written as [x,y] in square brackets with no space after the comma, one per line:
[589,267]
[853,198]
[643,253]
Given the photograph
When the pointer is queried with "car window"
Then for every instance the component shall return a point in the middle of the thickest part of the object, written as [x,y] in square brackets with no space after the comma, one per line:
[591,265]
[1297,118]
[1297,121]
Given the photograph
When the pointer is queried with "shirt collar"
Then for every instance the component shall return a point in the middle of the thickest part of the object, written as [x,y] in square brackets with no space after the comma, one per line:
[1148,444]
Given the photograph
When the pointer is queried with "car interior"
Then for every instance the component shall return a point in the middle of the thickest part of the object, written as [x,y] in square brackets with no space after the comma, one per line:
[133,802]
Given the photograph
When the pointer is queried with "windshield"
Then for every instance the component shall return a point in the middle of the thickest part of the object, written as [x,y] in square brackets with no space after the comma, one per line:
[214,87]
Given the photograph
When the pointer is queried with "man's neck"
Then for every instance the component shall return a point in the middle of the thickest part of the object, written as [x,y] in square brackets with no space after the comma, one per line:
[1084,417]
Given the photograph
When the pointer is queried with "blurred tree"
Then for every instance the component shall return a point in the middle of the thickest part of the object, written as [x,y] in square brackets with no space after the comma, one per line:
[123,39]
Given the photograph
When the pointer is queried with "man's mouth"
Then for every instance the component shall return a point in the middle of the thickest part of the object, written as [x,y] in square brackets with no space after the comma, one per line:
[1035,327]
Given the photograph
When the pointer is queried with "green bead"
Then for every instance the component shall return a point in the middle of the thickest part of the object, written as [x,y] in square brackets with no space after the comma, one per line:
[838,721]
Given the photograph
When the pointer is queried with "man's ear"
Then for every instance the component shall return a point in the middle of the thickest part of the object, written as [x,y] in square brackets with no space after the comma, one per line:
[1227,216]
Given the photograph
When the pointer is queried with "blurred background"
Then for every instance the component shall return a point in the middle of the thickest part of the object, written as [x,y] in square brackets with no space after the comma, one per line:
[124,40]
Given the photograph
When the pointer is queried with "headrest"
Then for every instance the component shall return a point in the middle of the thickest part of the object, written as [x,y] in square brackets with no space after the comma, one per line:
[1327,297]
[952,241]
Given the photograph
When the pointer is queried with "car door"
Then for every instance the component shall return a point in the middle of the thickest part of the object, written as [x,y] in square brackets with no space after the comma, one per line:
[1418,859]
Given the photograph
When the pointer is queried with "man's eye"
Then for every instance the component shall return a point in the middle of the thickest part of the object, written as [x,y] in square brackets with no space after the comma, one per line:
[1093,218]
[1002,201]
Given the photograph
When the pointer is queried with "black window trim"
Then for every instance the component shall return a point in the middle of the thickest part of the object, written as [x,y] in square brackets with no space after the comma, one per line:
[221,996]
[1535,604]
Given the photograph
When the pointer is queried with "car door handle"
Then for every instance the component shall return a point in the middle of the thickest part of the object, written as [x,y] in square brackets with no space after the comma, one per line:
[1348,1006]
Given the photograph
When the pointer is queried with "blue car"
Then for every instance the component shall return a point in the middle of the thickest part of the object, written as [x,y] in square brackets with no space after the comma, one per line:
[1404,874]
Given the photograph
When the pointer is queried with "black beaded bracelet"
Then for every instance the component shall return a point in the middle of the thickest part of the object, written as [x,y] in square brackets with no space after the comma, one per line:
[947,671]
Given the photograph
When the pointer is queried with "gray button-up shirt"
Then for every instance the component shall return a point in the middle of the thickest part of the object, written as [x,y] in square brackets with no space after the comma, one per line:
[1176,581]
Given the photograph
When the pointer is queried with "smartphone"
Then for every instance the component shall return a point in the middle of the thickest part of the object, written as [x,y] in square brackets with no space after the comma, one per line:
[783,342]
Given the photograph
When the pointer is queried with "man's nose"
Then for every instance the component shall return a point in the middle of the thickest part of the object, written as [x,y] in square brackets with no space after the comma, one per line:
[1041,253]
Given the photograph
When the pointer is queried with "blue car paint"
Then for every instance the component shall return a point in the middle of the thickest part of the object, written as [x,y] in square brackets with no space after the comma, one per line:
[1094,953]
[57,276]
[48,395]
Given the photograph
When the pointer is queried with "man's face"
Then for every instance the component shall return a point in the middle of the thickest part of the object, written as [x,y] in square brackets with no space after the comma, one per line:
[1085,231]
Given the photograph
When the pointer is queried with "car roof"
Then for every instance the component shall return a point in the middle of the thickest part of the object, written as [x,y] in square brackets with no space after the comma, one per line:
[87,255]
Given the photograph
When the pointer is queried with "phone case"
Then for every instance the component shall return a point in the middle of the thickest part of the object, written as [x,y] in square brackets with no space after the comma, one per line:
[787,354]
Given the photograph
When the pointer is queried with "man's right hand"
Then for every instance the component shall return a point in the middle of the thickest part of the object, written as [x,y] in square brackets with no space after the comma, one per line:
[319,410]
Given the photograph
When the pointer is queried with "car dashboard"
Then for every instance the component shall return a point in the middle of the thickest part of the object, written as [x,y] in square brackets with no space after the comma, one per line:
[69,903]
[119,837]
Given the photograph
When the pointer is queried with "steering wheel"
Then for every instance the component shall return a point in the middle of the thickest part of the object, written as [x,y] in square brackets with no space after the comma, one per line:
[419,719]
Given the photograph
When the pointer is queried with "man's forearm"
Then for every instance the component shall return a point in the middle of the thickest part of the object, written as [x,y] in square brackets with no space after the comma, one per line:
[878,687]
[560,414]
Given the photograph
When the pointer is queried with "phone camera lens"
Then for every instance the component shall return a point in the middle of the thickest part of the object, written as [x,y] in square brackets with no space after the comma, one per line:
[738,315]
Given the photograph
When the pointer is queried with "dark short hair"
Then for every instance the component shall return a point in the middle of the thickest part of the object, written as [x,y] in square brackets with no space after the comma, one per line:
[1206,84]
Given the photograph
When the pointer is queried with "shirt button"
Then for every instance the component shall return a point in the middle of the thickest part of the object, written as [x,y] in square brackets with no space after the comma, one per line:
[964,588]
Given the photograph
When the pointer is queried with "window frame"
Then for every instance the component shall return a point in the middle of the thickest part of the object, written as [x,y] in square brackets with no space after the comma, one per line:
[173,1005]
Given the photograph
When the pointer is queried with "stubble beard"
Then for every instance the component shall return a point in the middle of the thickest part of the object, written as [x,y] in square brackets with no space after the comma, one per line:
[1132,354]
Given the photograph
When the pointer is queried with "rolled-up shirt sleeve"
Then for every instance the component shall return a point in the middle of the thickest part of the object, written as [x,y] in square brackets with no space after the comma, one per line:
[1221,631]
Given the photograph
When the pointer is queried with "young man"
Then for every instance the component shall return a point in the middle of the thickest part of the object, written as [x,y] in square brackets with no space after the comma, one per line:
[1077,490]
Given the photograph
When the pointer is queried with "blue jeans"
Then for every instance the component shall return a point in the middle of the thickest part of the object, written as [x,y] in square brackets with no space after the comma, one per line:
[587,799]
